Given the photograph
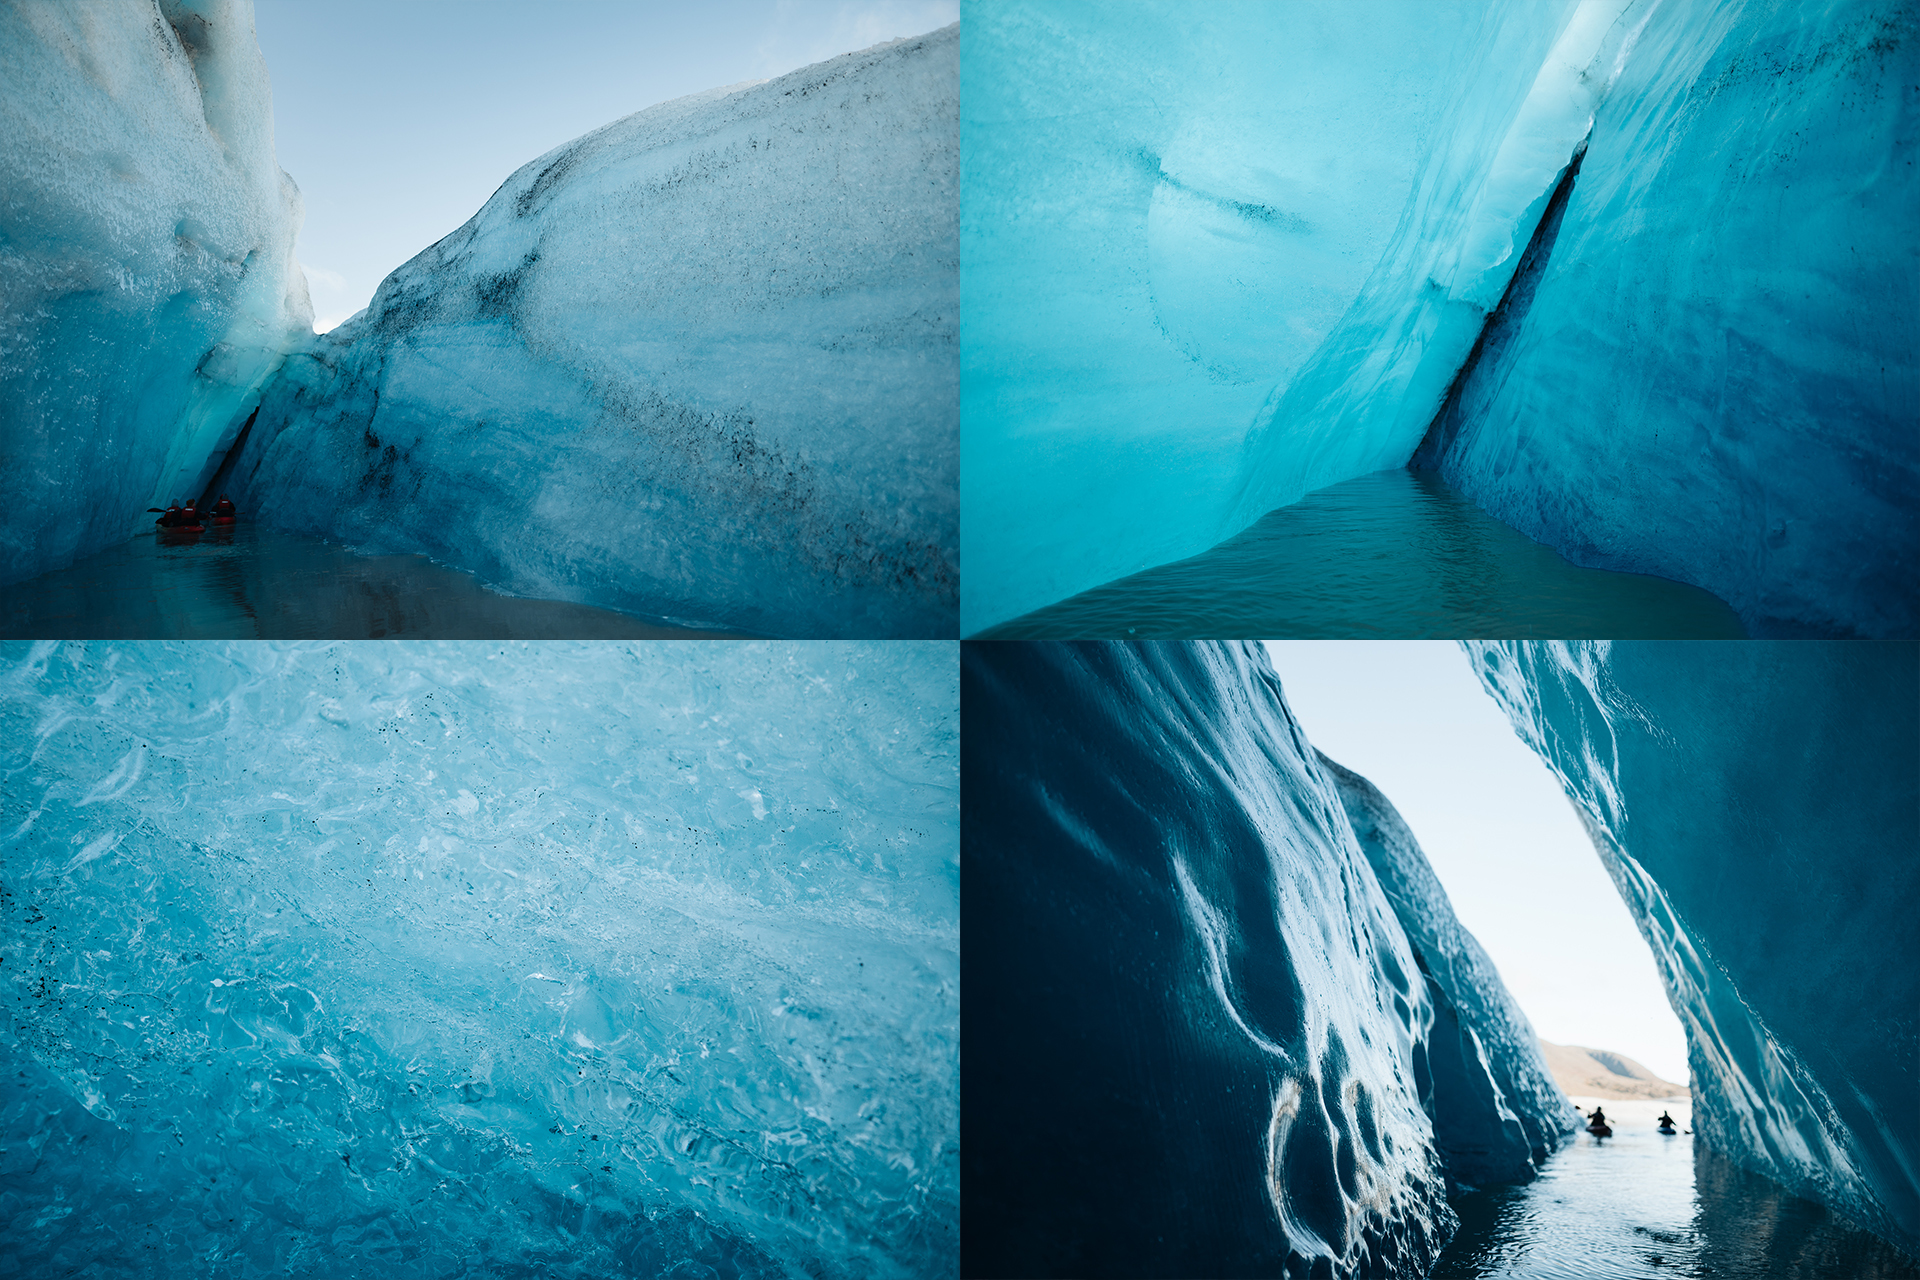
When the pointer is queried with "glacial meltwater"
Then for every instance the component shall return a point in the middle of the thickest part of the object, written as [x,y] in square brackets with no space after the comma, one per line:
[1642,1204]
[245,582]
[1395,554]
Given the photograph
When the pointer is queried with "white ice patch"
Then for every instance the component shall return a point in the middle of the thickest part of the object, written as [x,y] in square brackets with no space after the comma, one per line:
[121,780]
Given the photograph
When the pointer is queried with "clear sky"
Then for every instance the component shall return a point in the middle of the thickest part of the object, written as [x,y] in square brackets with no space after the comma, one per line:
[398,118]
[1523,877]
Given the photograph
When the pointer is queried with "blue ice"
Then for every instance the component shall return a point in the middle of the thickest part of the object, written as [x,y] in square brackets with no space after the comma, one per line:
[410,959]
[1214,263]
[1758,806]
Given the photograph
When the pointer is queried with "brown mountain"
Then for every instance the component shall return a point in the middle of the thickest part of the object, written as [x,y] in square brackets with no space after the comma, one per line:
[1601,1073]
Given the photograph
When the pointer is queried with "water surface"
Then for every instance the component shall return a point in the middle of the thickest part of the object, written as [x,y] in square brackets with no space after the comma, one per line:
[1640,1204]
[1396,554]
[242,582]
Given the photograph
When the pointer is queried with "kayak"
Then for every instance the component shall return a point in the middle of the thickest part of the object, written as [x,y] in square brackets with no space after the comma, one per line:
[183,528]
[1668,1129]
[224,519]
[1600,1130]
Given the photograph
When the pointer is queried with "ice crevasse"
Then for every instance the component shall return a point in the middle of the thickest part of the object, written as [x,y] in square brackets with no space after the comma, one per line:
[1758,807]
[699,364]
[433,959]
[1214,264]
[147,281]
[1212,1017]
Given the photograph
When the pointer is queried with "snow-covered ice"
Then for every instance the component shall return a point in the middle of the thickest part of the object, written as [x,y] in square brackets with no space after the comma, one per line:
[1758,806]
[700,364]
[1201,1032]
[428,959]
[147,281]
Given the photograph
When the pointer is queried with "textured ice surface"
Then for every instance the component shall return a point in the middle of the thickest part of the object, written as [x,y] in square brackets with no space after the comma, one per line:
[700,364]
[1758,806]
[1216,261]
[1498,1112]
[1198,1038]
[1714,376]
[147,283]
[461,959]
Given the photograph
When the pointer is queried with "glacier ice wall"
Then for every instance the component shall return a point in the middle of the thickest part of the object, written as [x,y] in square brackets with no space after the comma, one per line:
[1714,376]
[1197,1035]
[147,281]
[1501,1112]
[1215,261]
[418,959]
[1758,806]
[700,364]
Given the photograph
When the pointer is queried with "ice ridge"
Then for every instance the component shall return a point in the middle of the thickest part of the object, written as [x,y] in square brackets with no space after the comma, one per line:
[700,364]
[1199,1038]
[1497,1112]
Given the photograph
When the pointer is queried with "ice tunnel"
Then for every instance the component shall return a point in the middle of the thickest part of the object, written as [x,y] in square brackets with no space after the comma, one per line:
[1215,262]
[1223,1021]
[411,959]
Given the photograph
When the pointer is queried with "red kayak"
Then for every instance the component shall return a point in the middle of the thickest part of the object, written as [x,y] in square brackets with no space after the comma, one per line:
[183,528]
[225,519]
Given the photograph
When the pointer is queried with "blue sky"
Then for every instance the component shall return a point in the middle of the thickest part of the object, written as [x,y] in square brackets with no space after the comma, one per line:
[398,118]
[1411,717]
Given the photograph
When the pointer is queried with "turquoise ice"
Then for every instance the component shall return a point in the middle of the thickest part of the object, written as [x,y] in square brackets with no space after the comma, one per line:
[1758,806]
[1216,261]
[409,959]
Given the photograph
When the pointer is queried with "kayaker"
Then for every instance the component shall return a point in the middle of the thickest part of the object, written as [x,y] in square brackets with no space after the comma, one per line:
[1598,1118]
[170,519]
[224,508]
[1666,1121]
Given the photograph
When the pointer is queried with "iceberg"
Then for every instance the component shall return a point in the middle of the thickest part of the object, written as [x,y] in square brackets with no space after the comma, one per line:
[1758,806]
[1205,1036]
[147,281]
[1213,266]
[700,364]
[408,958]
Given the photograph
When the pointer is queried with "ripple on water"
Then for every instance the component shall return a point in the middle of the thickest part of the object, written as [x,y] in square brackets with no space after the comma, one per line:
[246,582]
[1640,1204]
[1395,554]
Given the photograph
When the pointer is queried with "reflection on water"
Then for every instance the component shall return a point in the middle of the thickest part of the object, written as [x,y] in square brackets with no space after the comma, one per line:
[1640,1204]
[243,582]
[1396,554]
